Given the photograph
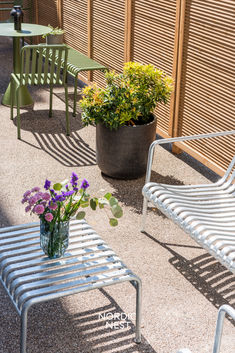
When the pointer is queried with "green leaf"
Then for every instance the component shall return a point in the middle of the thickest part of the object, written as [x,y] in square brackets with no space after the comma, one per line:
[113,222]
[93,204]
[57,186]
[113,201]
[108,195]
[80,215]
[117,211]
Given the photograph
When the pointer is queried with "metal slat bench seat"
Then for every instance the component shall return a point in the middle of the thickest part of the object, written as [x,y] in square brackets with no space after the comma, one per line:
[30,277]
[205,212]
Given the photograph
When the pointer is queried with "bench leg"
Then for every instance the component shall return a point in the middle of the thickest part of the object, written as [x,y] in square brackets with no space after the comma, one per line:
[75,96]
[144,214]
[138,311]
[23,335]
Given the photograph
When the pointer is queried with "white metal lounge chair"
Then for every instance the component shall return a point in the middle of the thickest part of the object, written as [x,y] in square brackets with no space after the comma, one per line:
[224,309]
[206,212]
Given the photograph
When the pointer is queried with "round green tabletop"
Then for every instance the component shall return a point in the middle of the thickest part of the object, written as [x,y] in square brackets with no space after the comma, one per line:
[27,30]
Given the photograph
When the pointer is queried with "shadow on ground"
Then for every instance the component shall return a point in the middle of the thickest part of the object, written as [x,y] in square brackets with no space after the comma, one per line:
[51,328]
[50,136]
[129,192]
[205,273]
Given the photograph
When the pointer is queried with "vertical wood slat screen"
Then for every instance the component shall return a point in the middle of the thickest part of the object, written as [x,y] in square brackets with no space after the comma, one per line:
[108,30]
[153,34]
[47,13]
[75,24]
[207,95]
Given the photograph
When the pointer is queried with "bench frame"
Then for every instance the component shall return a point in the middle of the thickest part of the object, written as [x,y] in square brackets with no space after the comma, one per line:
[162,193]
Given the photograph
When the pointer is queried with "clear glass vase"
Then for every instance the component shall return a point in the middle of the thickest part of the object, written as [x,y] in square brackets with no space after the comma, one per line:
[54,239]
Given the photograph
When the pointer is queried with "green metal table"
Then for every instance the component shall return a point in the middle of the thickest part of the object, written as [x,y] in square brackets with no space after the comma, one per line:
[28,30]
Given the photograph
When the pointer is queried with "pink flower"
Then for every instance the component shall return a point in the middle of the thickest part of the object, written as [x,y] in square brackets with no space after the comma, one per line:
[35,189]
[52,206]
[33,200]
[49,217]
[39,209]
[27,193]
[27,208]
[46,196]
[25,199]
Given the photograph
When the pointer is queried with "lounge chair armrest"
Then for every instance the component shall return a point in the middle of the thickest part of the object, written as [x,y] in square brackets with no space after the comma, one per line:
[179,139]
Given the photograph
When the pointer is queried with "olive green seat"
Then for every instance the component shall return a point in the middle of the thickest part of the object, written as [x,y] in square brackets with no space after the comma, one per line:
[41,70]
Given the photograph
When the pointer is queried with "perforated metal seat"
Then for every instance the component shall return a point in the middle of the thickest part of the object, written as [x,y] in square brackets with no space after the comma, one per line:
[205,212]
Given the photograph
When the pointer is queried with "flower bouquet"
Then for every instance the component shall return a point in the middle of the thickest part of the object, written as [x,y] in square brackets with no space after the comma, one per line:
[57,204]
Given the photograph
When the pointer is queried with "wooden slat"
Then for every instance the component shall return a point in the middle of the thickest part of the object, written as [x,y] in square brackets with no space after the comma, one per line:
[206,94]
[109,35]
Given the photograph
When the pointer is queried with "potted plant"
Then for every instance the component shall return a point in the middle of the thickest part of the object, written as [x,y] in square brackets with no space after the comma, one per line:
[57,204]
[56,36]
[123,115]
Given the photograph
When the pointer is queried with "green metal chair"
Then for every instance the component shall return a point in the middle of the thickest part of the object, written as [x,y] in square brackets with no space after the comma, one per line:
[41,70]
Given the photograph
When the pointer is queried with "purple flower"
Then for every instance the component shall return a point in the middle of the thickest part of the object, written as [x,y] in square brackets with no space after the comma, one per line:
[27,193]
[25,199]
[75,189]
[84,184]
[49,217]
[27,208]
[68,193]
[59,198]
[73,179]
[39,209]
[35,189]
[33,200]
[47,184]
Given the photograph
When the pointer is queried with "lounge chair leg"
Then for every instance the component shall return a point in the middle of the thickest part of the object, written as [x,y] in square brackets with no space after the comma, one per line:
[138,287]
[144,215]
[23,336]
[50,109]
[67,112]
[75,96]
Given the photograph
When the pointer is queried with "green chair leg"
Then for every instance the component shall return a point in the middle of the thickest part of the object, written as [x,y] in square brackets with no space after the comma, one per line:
[18,113]
[75,96]
[67,111]
[11,98]
[50,109]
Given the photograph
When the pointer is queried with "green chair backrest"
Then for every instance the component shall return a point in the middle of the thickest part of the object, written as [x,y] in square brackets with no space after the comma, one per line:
[38,65]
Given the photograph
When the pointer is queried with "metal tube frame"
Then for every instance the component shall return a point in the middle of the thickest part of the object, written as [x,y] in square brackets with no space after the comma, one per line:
[171,140]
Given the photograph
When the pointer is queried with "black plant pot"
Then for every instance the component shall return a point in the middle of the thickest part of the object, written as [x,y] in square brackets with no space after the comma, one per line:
[123,153]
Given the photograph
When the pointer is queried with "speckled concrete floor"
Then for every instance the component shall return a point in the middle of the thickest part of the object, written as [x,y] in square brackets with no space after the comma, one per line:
[182,285]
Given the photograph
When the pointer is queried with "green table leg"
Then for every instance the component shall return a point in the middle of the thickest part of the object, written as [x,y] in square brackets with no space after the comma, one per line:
[25,97]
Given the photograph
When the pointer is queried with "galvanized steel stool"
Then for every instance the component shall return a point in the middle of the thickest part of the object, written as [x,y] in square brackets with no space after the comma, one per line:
[30,277]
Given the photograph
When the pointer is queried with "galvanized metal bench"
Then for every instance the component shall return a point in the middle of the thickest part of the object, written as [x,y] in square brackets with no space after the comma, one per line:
[205,212]
[29,277]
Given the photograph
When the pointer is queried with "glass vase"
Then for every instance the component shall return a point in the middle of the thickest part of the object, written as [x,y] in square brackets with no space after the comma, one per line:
[54,238]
